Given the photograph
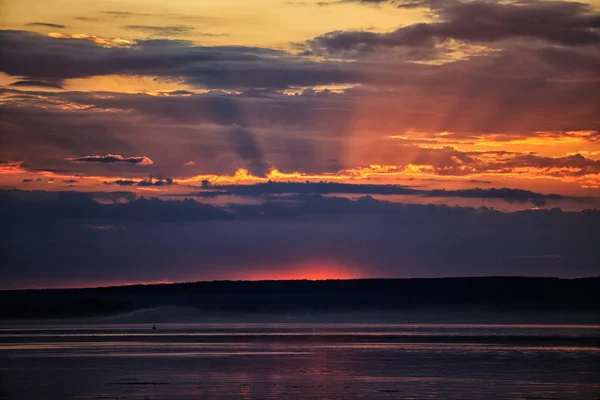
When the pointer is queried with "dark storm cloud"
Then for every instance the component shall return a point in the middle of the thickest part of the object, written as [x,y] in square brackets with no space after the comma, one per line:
[112,158]
[35,56]
[562,23]
[199,241]
[46,25]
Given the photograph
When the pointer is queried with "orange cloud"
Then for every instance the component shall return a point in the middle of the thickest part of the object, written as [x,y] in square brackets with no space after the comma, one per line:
[11,167]
[104,42]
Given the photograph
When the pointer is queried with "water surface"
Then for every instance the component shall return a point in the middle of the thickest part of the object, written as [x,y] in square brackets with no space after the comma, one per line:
[299,361]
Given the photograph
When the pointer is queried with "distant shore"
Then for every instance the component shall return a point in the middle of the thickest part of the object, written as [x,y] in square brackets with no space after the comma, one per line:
[442,300]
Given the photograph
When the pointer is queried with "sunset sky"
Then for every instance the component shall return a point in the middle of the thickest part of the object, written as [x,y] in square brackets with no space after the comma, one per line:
[297,139]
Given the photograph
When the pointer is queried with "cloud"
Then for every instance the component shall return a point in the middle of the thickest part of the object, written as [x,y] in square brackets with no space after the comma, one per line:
[34,56]
[269,189]
[450,161]
[113,158]
[80,205]
[252,123]
[224,133]
[175,30]
[470,95]
[368,1]
[85,19]
[170,30]
[127,14]
[40,84]
[144,182]
[121,182]
[309,201]
[246,147]
[46,25]
[571,165]
[397,3]
[158,182]
[363,41]
[396,240]
[562,23]
[227,111]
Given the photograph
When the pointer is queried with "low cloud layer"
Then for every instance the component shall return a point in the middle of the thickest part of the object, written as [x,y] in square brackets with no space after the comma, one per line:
[188,240]
[328,188]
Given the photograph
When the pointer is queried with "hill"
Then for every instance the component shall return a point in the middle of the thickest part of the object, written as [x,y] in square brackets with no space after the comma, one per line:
[507,295]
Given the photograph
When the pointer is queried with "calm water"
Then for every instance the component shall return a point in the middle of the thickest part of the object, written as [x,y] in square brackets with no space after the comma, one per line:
[300,361]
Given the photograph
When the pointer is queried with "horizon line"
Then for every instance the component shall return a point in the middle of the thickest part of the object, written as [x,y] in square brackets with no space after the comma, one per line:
[164,283]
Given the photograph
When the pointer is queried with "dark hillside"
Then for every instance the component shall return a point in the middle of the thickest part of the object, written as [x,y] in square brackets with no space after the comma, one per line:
[503,294]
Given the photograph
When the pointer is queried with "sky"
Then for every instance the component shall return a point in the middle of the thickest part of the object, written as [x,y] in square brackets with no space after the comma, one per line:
[151,141]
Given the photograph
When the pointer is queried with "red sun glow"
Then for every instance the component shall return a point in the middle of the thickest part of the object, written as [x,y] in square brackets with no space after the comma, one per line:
[310,271]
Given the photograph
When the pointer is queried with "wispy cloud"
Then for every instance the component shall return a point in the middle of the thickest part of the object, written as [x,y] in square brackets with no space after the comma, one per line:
[111,159]
[46,25]
[36,83]
[173,30]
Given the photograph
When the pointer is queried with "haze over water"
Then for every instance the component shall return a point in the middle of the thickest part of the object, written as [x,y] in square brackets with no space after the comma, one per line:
[299,361]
